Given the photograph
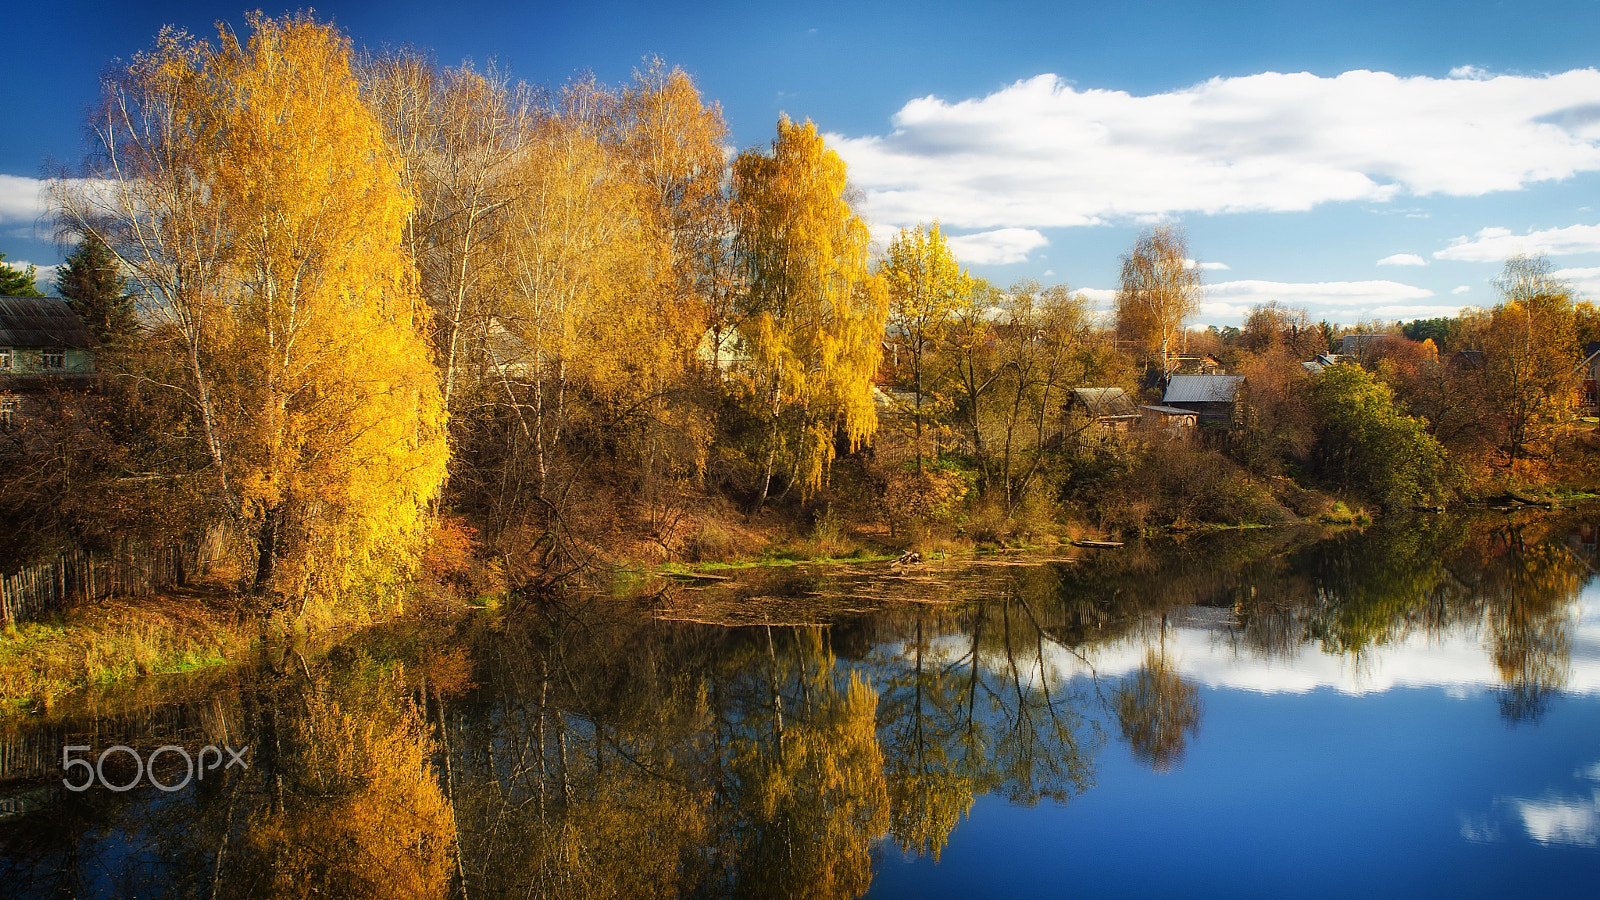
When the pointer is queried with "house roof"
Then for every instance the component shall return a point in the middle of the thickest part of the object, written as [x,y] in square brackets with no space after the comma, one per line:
[41,322]
[1099,402]
[1168,410]
[1203,389]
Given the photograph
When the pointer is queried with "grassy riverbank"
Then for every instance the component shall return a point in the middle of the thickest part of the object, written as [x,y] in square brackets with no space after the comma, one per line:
[106,643]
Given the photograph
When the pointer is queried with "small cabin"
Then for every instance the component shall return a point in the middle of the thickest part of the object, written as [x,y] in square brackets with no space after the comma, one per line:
[1107,407]
[1169,420]
[1210,397]
[43,343]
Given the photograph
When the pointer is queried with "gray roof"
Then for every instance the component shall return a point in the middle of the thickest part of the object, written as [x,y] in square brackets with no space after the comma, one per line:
[1099,402]
[1168,410]
[1203,389]
[41,322]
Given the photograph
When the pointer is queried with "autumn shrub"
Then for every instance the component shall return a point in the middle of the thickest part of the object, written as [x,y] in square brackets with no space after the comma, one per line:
[710,543]
[1174,484]
[829,536]
[915,501]
[453,572]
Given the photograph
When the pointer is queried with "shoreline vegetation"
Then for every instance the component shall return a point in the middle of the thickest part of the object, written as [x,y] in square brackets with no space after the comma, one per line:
[434,345]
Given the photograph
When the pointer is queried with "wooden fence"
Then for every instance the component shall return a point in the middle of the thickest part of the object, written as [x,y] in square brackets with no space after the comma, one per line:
[86,576]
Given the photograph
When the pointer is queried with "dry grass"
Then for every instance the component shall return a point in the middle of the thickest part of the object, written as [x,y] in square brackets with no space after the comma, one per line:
[103,643]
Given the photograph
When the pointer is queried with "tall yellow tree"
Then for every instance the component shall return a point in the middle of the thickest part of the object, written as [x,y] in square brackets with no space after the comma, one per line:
[926,290]
[1159,291]
[813,311]
[457,134]
[1529,355]
[249,191]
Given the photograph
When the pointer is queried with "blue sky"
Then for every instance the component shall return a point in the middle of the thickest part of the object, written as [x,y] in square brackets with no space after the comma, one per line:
[1299,144]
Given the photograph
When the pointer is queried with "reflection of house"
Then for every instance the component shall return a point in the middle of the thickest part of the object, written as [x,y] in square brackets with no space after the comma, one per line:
[43,344]
[1211,397]
[1106,407]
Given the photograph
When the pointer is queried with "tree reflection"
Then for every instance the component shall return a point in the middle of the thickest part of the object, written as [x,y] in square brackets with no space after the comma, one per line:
[929,770]
[1158,712]
[610,755]
[353,806]
[1529,593]
[813,796]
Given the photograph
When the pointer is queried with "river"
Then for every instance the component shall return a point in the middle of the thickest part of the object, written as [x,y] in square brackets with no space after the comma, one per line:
[1412,710]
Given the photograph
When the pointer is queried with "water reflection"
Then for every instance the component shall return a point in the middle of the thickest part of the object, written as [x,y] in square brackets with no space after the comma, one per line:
[592,750]
[339,799]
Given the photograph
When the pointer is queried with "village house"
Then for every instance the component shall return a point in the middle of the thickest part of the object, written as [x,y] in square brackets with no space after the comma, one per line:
[1170,420]
[1589,380]
[1323,361]
[1211,397]
[43,345]
[1108,407]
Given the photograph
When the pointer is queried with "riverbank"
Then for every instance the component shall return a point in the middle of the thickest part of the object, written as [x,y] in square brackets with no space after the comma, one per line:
[118,640]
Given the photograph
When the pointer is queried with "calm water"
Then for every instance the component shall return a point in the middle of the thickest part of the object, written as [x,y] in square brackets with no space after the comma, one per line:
[1413,711]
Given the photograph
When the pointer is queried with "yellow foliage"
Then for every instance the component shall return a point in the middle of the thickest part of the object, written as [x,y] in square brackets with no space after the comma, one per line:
[258,206]
[814,311]
[362,812]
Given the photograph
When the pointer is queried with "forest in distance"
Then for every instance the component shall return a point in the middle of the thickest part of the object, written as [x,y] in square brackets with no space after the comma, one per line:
[376,333]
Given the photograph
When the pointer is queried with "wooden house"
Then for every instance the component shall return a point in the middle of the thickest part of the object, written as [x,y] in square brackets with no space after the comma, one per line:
[1211,397]
[1169,420]
[1109,407]
[43,344]
[1589,380]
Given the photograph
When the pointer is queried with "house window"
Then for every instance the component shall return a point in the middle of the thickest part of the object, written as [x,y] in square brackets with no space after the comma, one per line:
[53,359]
[8,411]
[5,359]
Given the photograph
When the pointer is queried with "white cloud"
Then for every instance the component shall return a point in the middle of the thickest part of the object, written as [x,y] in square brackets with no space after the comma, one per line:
[998,247]
[1586,281]
[1214,266]
[21,199]
[1496,244]
[1227,302]
[1562,820]
[1472,73]
[1322,293]
[1104,299]
[1460,289]
[1041,153]
[1402,259]
[1049,272]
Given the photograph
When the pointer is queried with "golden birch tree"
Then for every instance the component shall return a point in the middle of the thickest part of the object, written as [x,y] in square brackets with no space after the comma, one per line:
[1529,356]
[927,288]
[813,311]
[249,192]
[1159,291]
[457,134]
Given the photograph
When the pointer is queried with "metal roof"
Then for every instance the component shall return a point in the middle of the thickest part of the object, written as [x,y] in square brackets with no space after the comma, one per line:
[1168,410]
[1203,389]
[41,322]
[1100,402]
